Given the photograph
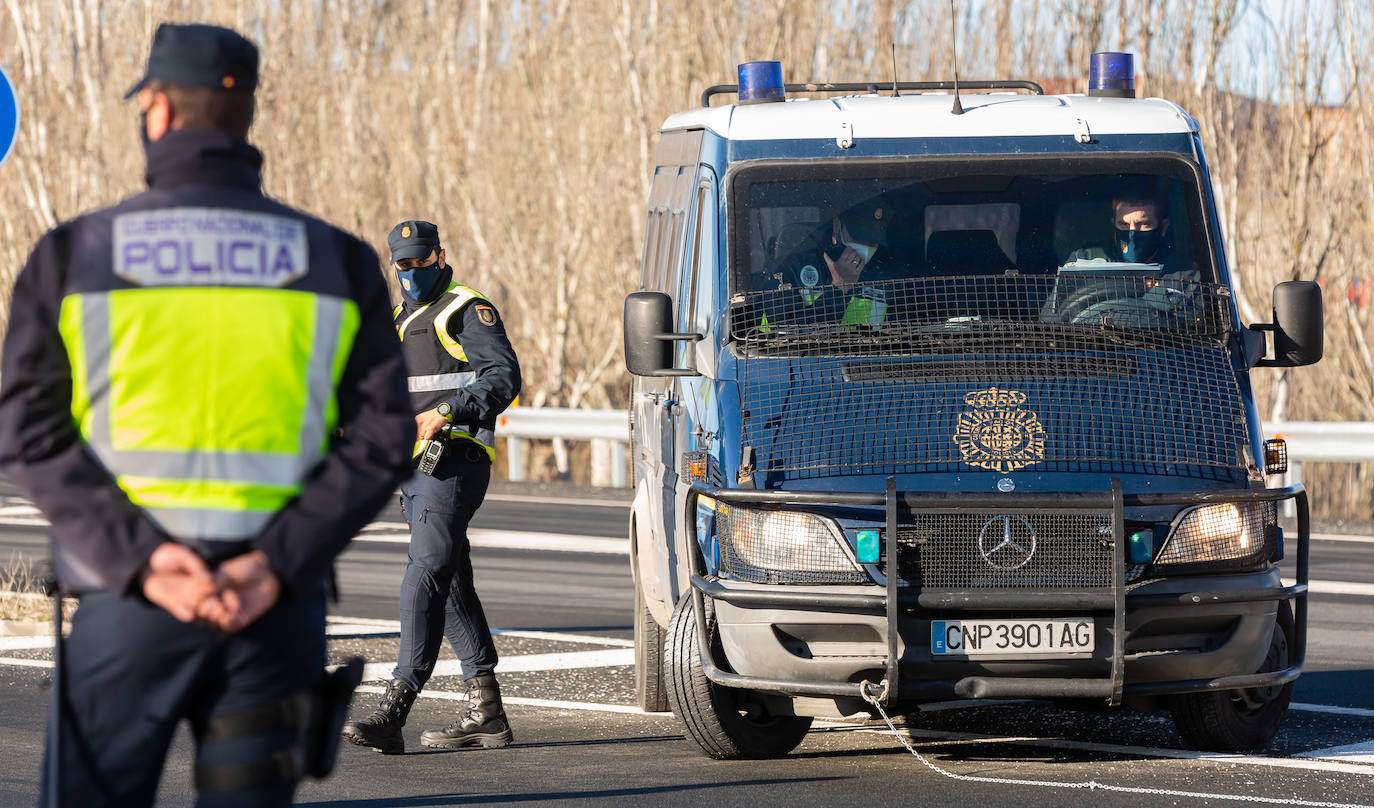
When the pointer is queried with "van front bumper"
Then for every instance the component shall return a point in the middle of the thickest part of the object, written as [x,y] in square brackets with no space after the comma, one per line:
[1168,635]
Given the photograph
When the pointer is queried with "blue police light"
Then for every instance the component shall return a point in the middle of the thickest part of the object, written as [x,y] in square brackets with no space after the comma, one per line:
[760,82]
[9,116]
[1112,74]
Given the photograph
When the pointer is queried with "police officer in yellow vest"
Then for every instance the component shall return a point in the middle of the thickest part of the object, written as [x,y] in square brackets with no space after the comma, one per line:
[203,394]
[834,283]
[463,373]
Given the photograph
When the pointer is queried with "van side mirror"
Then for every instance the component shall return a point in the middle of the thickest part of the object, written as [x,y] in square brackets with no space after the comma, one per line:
[1297,325]
[649,336]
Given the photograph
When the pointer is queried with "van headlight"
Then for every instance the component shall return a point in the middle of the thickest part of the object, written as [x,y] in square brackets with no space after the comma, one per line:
[777,546]
[1226,532]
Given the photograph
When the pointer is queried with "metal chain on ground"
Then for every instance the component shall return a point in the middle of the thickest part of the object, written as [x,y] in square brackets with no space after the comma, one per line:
[1092,785]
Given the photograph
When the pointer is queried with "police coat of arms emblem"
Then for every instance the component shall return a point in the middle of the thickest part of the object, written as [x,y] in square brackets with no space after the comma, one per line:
[997,435]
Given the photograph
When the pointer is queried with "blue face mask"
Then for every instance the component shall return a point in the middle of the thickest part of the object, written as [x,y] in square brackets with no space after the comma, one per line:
[421,284]
[1139,246]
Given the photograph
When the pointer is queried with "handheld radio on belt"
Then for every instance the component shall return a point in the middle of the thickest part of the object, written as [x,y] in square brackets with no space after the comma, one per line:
[434,450]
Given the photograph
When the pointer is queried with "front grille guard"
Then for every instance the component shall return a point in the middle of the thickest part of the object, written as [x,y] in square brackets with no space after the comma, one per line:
[891,689]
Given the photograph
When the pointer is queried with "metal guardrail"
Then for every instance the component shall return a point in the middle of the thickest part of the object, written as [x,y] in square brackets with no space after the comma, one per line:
[1325,441]
[609,427]
[1321,442]
[1308,441]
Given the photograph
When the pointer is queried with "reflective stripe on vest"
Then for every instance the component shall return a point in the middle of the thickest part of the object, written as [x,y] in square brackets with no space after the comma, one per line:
[209,405]
[440,381]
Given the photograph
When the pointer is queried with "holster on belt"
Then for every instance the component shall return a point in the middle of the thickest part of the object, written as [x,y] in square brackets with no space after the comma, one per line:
[324,716]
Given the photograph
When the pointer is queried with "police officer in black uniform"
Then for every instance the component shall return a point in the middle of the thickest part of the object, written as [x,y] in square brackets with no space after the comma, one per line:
[463,373]
[203,393]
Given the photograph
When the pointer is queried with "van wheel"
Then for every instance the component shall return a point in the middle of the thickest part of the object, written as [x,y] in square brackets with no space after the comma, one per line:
[650,691]
[725,722]
[1240,720]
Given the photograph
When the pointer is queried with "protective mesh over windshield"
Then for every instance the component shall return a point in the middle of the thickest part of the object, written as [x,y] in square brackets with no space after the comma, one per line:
[1068,373]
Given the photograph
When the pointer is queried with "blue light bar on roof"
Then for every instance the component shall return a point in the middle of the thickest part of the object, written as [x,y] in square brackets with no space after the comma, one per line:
[760,82]
[1112,74]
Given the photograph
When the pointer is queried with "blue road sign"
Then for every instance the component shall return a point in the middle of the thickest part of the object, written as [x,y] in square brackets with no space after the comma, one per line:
[9,115]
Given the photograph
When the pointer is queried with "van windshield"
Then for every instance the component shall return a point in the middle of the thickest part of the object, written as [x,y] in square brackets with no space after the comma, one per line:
[940,245]
[1005,314]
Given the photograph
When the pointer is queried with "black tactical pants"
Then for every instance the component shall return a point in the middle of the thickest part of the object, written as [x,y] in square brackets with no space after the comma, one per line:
[438,598]
[132,672]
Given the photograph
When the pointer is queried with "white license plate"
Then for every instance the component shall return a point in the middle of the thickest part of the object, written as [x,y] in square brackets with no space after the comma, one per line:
[1010,637]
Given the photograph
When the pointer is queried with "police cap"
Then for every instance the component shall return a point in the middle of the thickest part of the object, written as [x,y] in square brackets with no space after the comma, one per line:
[412,239]
[867,222]
[201,56]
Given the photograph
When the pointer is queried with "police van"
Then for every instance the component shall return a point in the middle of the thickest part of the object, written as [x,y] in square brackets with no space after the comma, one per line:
[945,395]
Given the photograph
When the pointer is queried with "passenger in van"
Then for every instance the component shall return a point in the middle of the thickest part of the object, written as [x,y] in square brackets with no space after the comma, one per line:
[829,273]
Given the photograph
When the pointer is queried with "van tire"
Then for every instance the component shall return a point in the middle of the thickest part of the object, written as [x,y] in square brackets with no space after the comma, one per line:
[712,714]
[1240,720]
[651,692]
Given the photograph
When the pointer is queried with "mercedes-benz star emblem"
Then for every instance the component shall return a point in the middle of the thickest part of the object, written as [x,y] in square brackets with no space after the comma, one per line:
[1007,542]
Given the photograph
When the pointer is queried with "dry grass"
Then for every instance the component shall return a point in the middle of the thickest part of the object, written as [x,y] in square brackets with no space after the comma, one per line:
[22,596]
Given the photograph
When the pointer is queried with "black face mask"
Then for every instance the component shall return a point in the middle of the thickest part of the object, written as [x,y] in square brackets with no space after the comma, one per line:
[421,283]
[1139,246]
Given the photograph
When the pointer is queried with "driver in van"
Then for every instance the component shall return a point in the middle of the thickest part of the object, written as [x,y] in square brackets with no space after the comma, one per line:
[1141,237]
[1141,230]
[829,279]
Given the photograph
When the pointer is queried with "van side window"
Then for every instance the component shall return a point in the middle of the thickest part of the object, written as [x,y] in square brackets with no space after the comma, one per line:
[647,267]
[677,255]
[700,299]
[656,240]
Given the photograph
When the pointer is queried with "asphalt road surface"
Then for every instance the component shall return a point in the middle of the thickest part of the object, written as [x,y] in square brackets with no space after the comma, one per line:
[553,576]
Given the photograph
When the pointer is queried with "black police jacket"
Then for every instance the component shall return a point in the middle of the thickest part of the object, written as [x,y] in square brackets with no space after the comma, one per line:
[44,455]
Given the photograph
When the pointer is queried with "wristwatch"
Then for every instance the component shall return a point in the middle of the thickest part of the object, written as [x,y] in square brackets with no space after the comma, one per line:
[445,409]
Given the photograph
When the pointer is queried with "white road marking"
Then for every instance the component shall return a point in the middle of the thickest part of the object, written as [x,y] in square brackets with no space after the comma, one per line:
[599,503]
[357,630]
[969,704]
[26,663]
[1337,587]
[525,663]
[26,643]
[1331,708]
[452,695]
[1342,537]
[364,621]
[371,625]
[385,527]
[522,540]
[937,737]
[1354,753]
[561,637]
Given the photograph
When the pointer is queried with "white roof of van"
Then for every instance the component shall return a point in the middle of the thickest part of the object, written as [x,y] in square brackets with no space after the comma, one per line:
[998,114]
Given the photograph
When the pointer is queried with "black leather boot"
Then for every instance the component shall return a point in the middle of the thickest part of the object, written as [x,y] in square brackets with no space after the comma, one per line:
[382,729]
[482,723]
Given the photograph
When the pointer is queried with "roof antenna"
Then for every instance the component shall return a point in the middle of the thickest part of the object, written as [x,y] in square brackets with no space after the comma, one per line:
[954,29]
[894,66]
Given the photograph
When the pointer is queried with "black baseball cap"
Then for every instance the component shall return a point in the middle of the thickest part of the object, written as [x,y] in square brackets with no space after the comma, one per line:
[412,239]
[201,56]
